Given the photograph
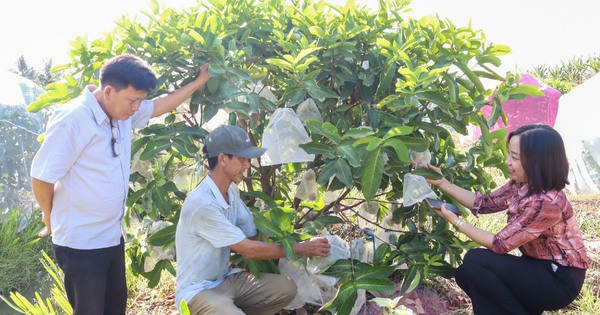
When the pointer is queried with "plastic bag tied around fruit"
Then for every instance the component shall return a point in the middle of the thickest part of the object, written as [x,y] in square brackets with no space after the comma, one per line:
[416,189]
[314,288]
[339,250]
[420,159]
[282,138]
[158,253]
[308,190]
[308,110]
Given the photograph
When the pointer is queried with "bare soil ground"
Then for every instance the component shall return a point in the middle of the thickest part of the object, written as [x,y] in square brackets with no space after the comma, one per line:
[436,296]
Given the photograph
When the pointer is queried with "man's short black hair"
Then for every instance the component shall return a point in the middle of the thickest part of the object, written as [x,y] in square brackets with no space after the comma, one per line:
[212,161]
[543,157]
[127,70]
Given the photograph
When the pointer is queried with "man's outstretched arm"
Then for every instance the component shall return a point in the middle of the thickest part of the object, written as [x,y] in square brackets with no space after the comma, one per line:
[252,249]
[167,103]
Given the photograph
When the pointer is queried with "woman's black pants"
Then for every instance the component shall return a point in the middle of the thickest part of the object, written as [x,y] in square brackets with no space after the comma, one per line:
[507,284]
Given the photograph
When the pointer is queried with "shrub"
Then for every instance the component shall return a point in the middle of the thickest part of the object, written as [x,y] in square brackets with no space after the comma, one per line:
[20,251]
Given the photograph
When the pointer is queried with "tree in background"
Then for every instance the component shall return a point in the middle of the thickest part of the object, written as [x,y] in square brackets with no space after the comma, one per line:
[569,74]
[41,77]
[384,85]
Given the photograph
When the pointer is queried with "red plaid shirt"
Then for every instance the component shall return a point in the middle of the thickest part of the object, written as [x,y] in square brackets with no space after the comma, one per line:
[542,226]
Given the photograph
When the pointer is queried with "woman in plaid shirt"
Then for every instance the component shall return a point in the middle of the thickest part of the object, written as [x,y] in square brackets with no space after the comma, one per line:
[540,223]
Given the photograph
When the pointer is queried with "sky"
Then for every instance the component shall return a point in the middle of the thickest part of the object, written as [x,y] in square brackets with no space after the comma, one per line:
[538,32]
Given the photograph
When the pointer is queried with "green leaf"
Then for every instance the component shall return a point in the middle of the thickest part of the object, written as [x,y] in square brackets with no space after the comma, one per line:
[373,173]
[163,237]
[427,173]
[472,76]
[374,144]
[288,246]
[344,299]
[343,172]
[525,90]
[331,132]
[154,147]
[378,271]
[398,131]
[154,275]
[267,226]
[417,144]
[329,219]
[384,286]
[381,252]
[349,154]
[317,148]
[411,280]
[435,98]
[304,53]
[358,133]
[400,148]
[161,201]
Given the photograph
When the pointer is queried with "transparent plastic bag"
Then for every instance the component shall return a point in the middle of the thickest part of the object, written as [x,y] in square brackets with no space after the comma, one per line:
[312,288]
[308,110]
[360,250]
[416,189]
[420,159]
[158,253]
[282,138]
[339,250]
[308,190]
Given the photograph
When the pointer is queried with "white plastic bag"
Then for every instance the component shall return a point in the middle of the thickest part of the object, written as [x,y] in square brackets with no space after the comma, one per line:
[282,138]
[158,253]
[416,189]
[312,288]
[339,250]
[308,110]
[307,190]
[420,159]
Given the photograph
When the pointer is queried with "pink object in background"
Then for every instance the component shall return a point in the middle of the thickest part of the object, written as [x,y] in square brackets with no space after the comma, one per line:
[530,110]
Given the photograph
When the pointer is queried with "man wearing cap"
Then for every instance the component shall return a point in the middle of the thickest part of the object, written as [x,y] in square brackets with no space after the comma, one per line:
[214,221]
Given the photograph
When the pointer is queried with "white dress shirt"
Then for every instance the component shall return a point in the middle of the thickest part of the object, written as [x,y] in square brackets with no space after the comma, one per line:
[90,183]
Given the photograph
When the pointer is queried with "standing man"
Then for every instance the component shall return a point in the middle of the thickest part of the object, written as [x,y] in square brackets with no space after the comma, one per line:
[80,178]
[214,221]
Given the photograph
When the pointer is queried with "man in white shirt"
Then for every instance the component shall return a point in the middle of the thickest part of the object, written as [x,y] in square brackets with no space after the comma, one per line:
[214,221]
[80,178]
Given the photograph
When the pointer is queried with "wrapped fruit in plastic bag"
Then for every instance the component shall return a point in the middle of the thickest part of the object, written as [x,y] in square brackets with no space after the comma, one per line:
[420,159]
[416,189]
[307,190]
[158,253]
[308,110]
[312,288]
[282,138]
[339,250]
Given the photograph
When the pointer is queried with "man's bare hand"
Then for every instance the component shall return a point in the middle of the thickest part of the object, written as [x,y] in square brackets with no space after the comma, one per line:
[317,246]
[203,74]
[47,229]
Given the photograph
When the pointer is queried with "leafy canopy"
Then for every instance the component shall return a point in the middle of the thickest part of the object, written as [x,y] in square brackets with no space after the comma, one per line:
[384,84]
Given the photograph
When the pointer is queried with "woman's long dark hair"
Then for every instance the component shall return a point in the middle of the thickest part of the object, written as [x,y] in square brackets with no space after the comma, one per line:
[543,157]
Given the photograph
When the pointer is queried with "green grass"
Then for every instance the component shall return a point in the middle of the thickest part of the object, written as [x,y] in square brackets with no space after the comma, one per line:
[20,252]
